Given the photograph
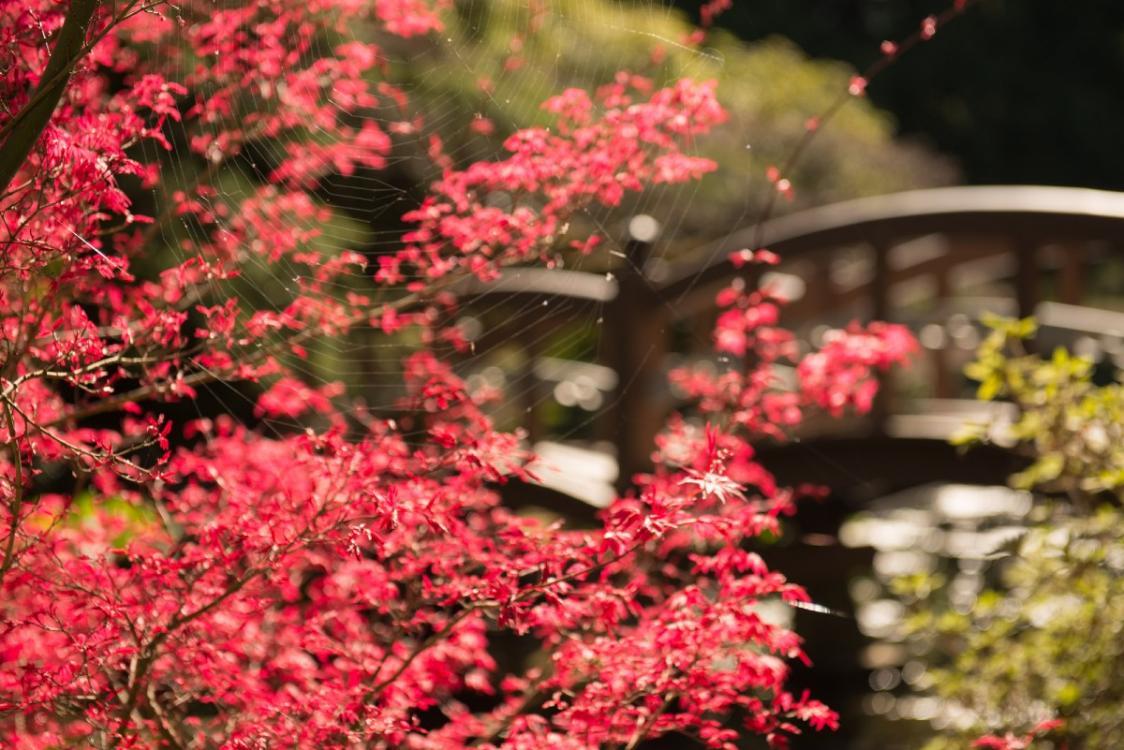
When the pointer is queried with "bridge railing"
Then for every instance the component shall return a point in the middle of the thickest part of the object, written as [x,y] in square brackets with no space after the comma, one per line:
[932,258]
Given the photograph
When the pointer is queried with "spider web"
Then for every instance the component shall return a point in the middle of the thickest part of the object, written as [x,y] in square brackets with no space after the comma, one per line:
[494,62]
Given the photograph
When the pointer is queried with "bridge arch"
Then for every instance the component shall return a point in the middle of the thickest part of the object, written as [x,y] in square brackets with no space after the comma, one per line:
[1019,233]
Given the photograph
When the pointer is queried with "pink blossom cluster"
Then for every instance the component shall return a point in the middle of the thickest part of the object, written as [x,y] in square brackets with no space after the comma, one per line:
[841,374]
[626,137]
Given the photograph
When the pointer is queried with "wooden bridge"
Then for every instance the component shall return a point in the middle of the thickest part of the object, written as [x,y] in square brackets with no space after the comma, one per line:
[932,259]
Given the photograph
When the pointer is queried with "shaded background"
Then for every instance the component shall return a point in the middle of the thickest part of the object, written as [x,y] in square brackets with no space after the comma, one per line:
[1017,91]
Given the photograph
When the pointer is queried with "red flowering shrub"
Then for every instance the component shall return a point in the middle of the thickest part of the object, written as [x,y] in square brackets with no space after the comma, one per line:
[244,588]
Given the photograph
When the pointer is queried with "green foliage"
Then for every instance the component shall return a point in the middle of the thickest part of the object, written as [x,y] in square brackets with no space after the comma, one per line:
[1046,636]
[1072,429]
[1047,640]
[124,519]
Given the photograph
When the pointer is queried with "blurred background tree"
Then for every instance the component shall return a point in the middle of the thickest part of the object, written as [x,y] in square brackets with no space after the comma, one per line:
[497,60]
[503,56]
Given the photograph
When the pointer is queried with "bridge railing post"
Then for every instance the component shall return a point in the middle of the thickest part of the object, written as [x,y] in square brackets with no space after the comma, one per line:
[635,345]
[1071,273]
[943,378]
[1027,269]
[881,283]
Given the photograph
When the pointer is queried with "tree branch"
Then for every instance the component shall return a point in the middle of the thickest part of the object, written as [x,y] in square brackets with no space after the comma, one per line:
[28,124]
